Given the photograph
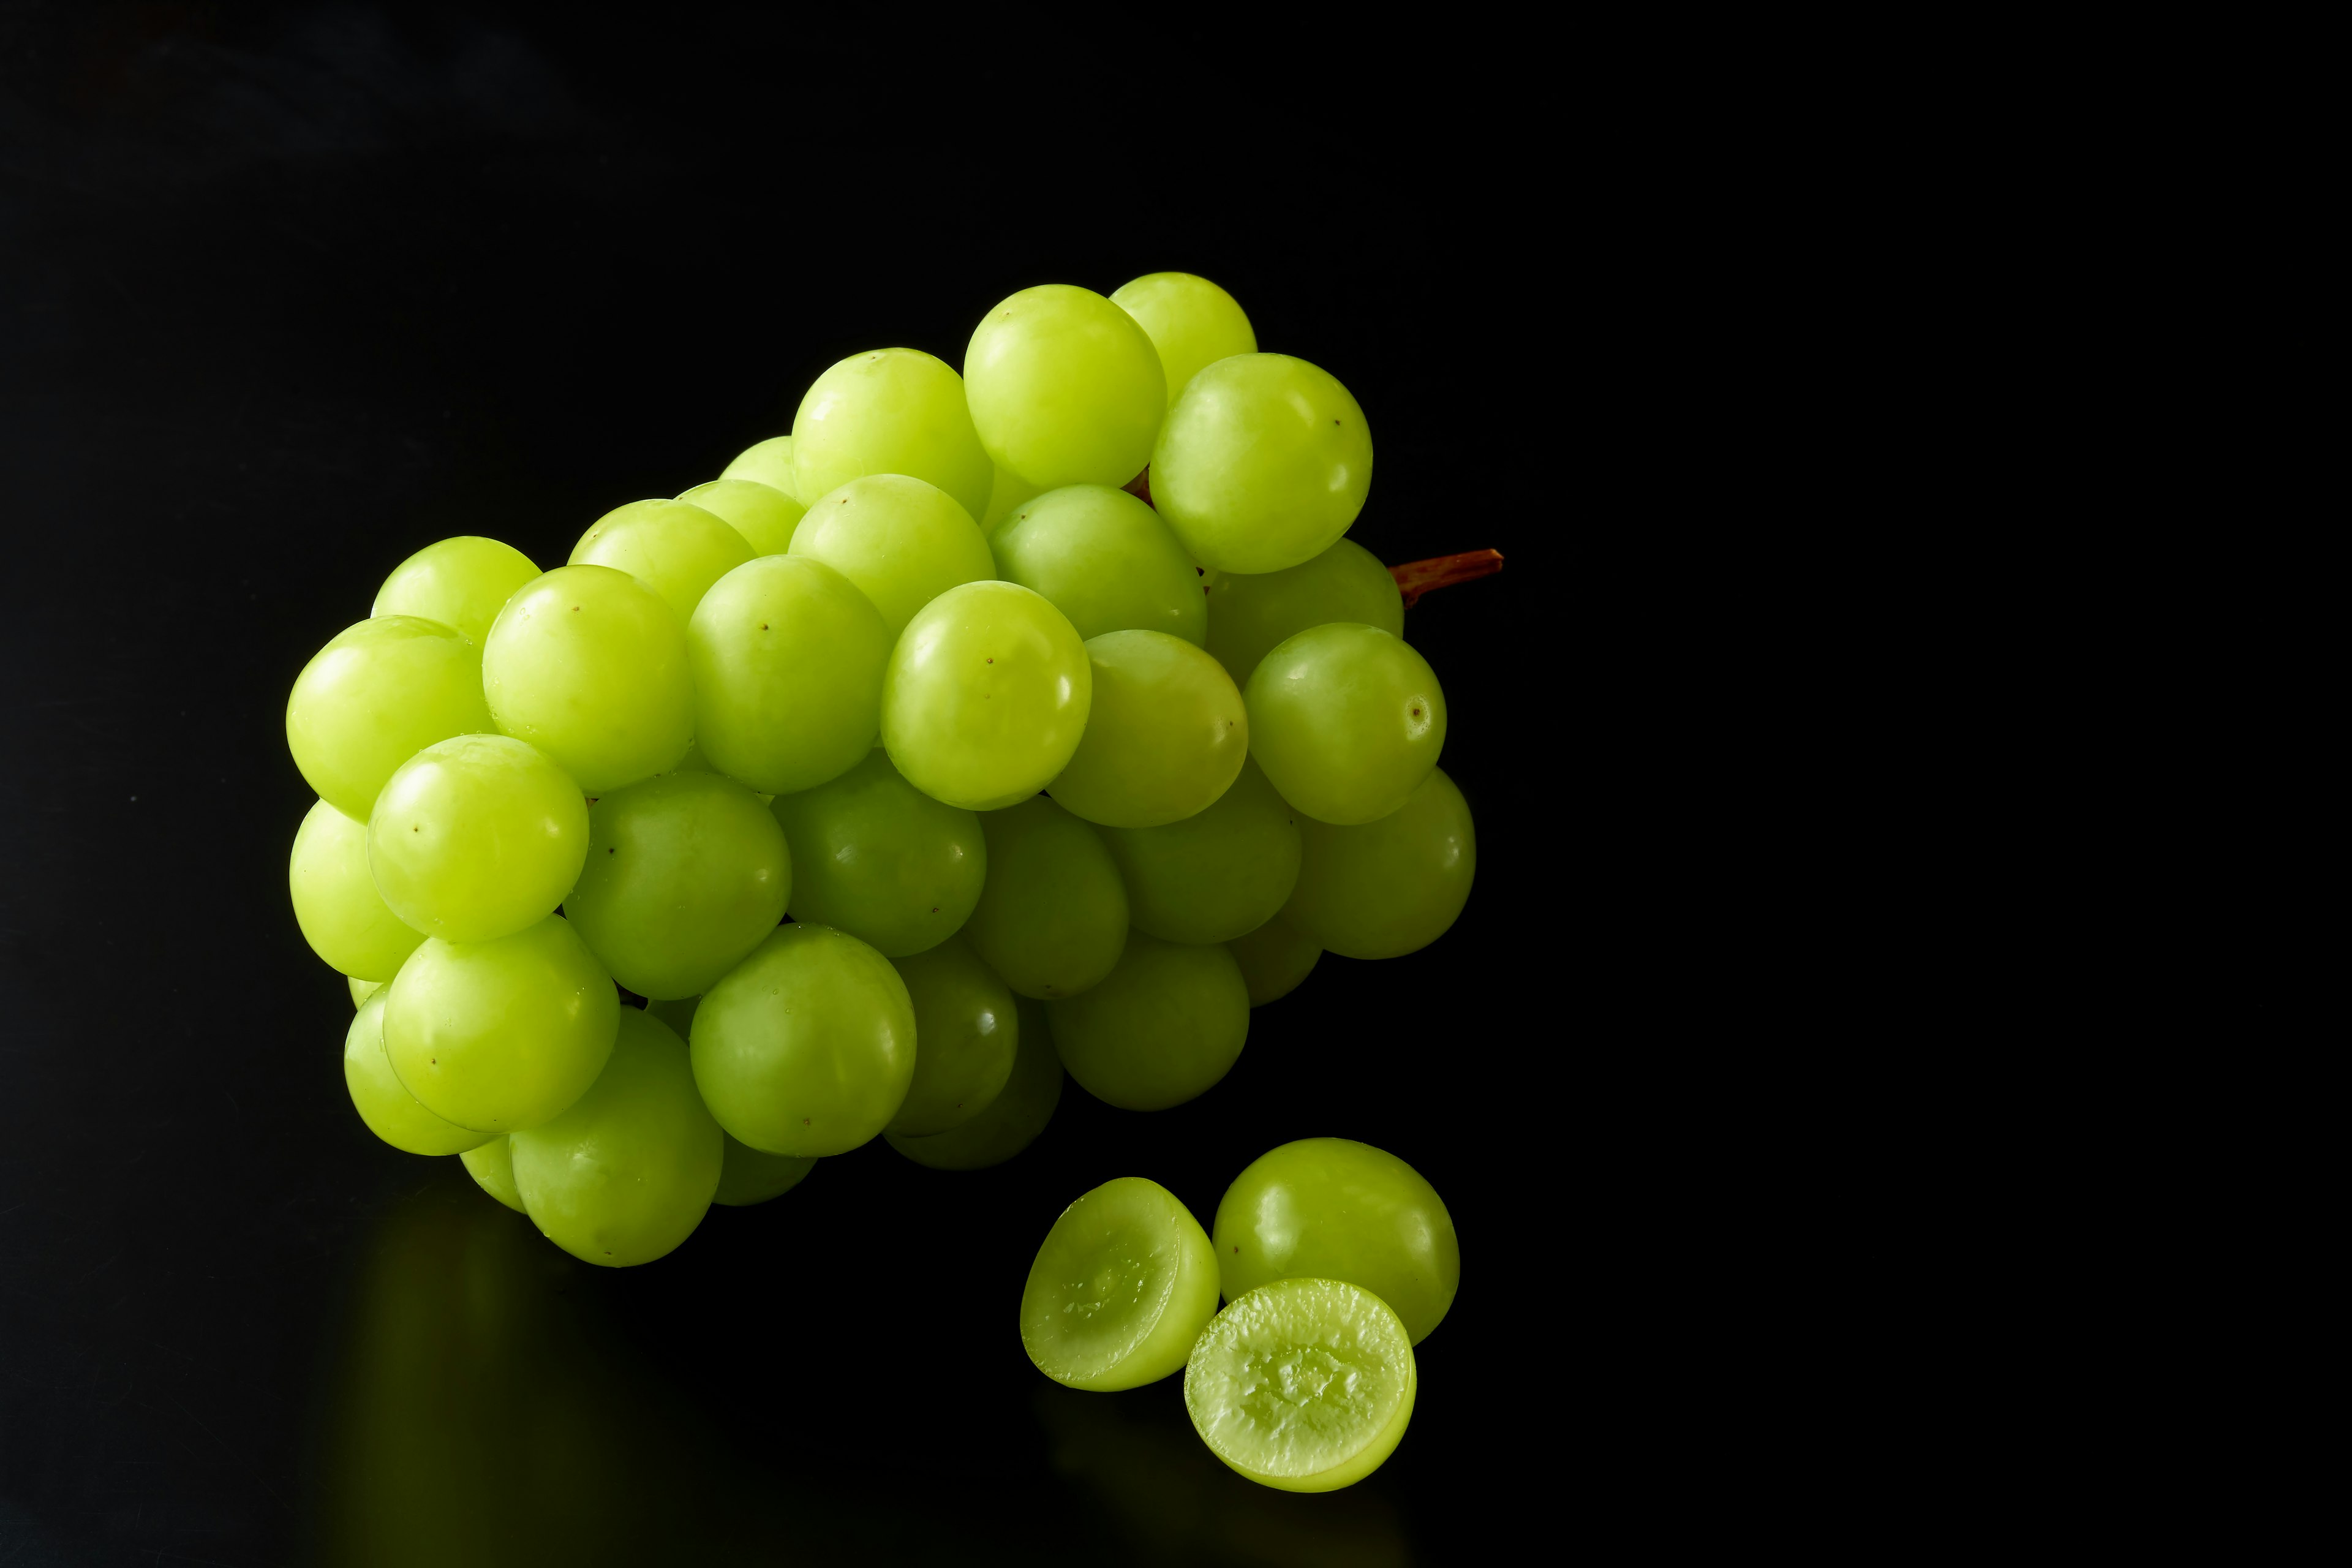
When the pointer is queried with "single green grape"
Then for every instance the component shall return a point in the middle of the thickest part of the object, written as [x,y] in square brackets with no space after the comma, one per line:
[1162,1028]
[1390,887]
[1332,1208]
[1064,387]
[361,990]
[787,658]
[1264,461]
[491,1165]
[1249,615]
[1106,562]
[985,696]
[461,583]
[1052,919]
[378,694]
[1191,321]
[878,859]
[764,515]
[890,411]
[673,547]
[500,1035]
[1122,1286]
[1275,960]
[753,1175]
[1008,491]
[966,1033]
[384,1103]
[685,874]
[1346,719]
[342,917]
[628,1172]
[476,837]
[808,1046]
[1166,736]
[904,542]
[1216,874]
[1010,1122]
[589,665]
[768,462]
[1304,1385]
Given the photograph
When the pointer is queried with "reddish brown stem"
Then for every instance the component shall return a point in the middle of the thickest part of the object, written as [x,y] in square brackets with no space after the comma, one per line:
[1139,487]
[1419,577]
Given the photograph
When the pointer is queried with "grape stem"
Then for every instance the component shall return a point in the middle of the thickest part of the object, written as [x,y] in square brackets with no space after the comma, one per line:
[1419,577]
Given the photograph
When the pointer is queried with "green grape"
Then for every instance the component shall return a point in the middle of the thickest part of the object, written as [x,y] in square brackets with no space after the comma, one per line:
[985,696]
[876,856]
[685,875]
[1332,1208]
[808,1046]
[965,1036]
[1274,959]
[678,1012]
[890,411]
[491,1165]
[1008,491]
[1263,462]
[500,1035]
[1303,1384]
[673,547]
[1165,737]
[589,665]
[628,1172]
[459,583]
[1248,616]
[764,515]
[904,542]
[754,1176]
[1390,887]
[1121,1288]
[378,694]
[476,837]
[384,1103]
[1346,719]
[1011,1121]
[362,989]
[768,462]
[1215,874]
[1106,562]
[1191,322]
[1064,388]
[342,917]
[787,658]
[1162,1028]
[1052,919]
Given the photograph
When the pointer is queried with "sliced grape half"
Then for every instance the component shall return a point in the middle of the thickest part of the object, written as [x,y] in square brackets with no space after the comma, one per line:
[1121,1289]
[1303,1384]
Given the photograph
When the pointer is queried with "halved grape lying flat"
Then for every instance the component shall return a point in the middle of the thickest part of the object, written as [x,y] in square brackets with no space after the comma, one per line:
[1303,1384]
[1120,1289]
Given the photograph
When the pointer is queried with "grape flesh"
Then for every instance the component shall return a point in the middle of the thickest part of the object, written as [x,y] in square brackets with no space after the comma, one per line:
[1275,960]
[768,462]
[1216,874]
[1249,615]
[966,1035]
[1190,322]
[1332,1208]
[1051,917]
[1389,887]
[787,660]
[890,411]
[589,665]
[764,515]
[1064,387]
[1165,736]
[342,917]
[461,583]
[1347,720]
[751,1175]
[378,694]
[1304,1385]
[1010,1122]
[1106,561]
[1264,461]
[476,837]
[384,1102]
[1120,1289]
[491,1165]
[878,859]
[1162,1028]
[673,547]
[985,696]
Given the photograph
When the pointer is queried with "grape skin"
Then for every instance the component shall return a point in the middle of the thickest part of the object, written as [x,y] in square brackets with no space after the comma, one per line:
[476,837]
[1192,322]
[1106,561]
[986,696]
[1166,734]
[1347,720]
[461,582]
[786,658]
[764,515]
[384,1102]
[1216,875]
[1120,1289]
[1064,387]
[1264,461]
[376,695]
[1053,915]
[904,542]
[589,665]
[966,1036]
[1249,615]
[342,917]
[1010,1122]
[768,462]
[1390,887]
[1275,960]
[890,411]
[882,860]
[1162,1028]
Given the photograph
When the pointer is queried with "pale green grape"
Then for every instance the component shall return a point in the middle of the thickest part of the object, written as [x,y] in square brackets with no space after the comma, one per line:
[1162,1028]
[476,837]
[493,1167]
[1106,562]
[1215,874]
[673,547]
[361,990]
[1346,719]
[1121,1288]
[764,515]
[1008,491]
[808,1046]
[1011,1121]
[1275,960]
[787,658]
[876,856]
[1264,461]
[1304,1385]
[628,1172]
[985,696]
[500,1035]
[965,1036]
[889,410]
[1064,387]
[342,917]
[459,583]
[1389,887]
[768,462]
[384,1103]
[1052,919]
[1165,737]
[378,694]
[589,665]
[1191,322]
[754,1176]
[1248,616]
[685,874]
[904,542]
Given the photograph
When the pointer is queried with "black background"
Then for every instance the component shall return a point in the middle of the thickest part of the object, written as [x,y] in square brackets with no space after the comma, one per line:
[286,293]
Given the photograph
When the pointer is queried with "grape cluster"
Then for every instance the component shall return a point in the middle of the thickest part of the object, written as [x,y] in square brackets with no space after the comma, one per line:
[985,726]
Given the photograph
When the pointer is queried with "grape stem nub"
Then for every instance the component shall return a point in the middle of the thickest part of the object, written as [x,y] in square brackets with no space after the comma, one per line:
[1418,577]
